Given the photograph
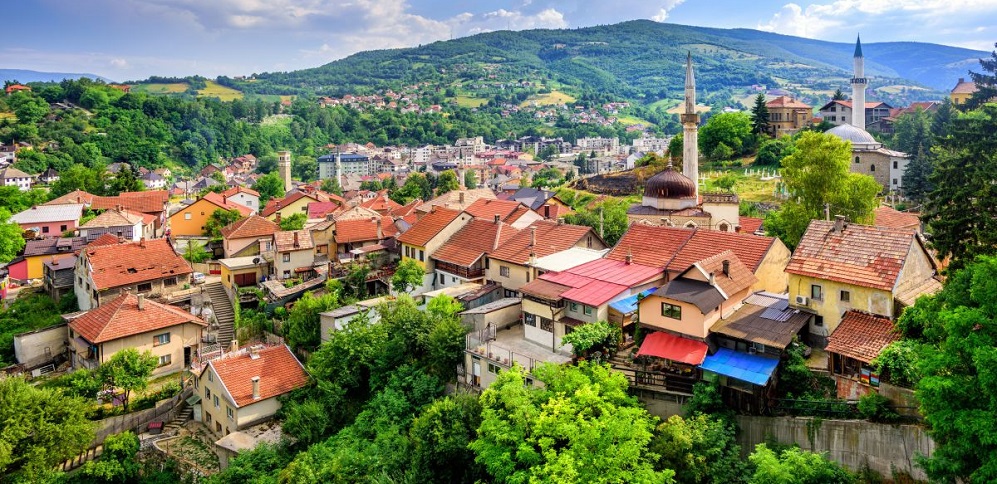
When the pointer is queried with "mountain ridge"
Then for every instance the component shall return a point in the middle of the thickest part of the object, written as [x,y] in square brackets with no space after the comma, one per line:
[28,75]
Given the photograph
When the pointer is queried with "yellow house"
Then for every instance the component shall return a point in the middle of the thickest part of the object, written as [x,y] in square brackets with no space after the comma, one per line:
[293,203]
[171,334]
[38,252]
[787,115]
[425,236]
[962,91]
[243,271]
[192,219]
[240,389]
[839,267]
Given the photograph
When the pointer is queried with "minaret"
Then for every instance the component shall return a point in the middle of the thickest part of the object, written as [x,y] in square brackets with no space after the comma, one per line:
[284,168]
[690,128]
[859,83]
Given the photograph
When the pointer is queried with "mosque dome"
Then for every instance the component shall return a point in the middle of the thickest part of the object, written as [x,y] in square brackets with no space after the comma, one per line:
[670,184]
[857,136]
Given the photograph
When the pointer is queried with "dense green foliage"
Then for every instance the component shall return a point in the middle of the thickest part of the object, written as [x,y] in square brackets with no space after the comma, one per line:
[127,370]
[608,218]
[219,219]
[294,222]
[795,466]
[26,313]
[11,239]
[727,135]
[408,274]
[302,328]
[593,336]
[986,82]
[117,463]
[700,449]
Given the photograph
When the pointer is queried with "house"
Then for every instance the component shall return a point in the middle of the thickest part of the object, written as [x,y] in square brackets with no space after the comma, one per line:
[840,112]
[150,202]
[191,220]
[852,347]
[241,389]
[120,223]
[962,91]
[869,157]
[886,216]
[320,210]
[788,115]
[171,334]
[430,232]
[537,198]
[16,88]
[8,154]
[294,253]
[38,252]
[148,267]
[381,204]
[456,200]
[513,213]
[49,220]
[840,266]
[292,203]
[153,181]
[246,197]
[245,271]
[512,264]
[58,275]
[249,236]
[49,176]
[352,233]
[463,257]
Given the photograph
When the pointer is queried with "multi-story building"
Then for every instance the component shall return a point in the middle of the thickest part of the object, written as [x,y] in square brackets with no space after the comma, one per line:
[147,267]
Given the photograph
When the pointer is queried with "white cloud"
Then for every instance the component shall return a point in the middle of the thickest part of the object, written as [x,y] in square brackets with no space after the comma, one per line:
[119,63]
[662,14]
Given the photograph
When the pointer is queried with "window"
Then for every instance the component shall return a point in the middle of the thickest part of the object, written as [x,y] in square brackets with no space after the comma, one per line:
[161,339]
[202,214]
[207,394]
[215,399]
[587,310]
[815,292]
[45,230]
[856,159]
[504,271]
[422,256]
[218,427]
[165,360]
[207,417]
[145,287]
[588,242]
[231,414]
[211,376]
[493,368]
[546,325]
[62,228]
[186,216]
[818,320]
[845,296]
[530,319]
[573,307]
[894,165]
[872,167]
[671,311]
[894,181]
[286,258]
[170,281]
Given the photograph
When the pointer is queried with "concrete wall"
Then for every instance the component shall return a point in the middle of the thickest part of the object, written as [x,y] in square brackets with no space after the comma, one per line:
[30,348]
[500,318]
[771,272]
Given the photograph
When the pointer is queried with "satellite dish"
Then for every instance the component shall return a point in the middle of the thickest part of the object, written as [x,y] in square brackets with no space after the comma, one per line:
[256,260]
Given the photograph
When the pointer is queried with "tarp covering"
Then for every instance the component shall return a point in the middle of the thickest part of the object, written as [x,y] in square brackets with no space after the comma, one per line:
[628,305]
[675,348]
[742,366]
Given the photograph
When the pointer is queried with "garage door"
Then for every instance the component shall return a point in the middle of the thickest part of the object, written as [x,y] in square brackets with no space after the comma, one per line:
[243,280]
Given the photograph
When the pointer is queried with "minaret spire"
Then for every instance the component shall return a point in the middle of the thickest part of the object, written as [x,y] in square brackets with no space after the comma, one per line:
[690,128]
[859,83]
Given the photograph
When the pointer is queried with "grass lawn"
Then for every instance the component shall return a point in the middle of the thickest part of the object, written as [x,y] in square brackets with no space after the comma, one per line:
[213,89]
[154,88]
[551,98]
[470,102]
[630,120]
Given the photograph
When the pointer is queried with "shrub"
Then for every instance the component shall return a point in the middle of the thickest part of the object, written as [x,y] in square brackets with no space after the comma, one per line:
[876,408]
[592,335]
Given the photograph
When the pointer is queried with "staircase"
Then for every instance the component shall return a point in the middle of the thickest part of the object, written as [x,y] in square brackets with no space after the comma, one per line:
[174,425]
[81,459]
[224,313]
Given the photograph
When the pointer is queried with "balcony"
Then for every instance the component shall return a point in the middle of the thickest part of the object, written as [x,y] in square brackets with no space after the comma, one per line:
[469,273]
[508,346]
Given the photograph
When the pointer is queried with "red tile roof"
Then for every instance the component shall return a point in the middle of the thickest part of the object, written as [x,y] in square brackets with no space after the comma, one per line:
[240,189]
[285,240]
[382,204]
[750,225]
[152,201]
[737,278]
[75,196]
[750,249]
[277,368]
[678,248]
[861,335]
[134,262]
[121,317]
[651,245]
[364,229]
[964,87]
[891,218]
[487,209]
[104,239]
[860,254]
[321,209]
[225,204]
[275,204]
[551,237]
[477,238]
[251,226]
[428,226]
[786,102]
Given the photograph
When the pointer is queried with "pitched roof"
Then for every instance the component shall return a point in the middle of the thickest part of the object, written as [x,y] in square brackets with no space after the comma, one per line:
[457,199]
[364,229]
[134,262]
[428,226]
[964,87]
[240,189]
[786,102]
[75,196]
[848,104]
[277,368]
[121,317]
[54,245]
[595,283]
[114,218]
[487,209]
[675,249]
[651,245]
[861,335]
[750,225]
[151,201]
[381,204]
[48,213]
[551,237]
[275,204]
[321,209]
[545,289]
[477,238]
[291,240]
[11,172]
[104,239]
[860,254]
[889,217]
[735,279]
[764,318]
[225,204]
[251,226]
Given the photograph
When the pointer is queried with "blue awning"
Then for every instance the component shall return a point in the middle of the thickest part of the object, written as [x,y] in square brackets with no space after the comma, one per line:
[628,304]
[742,366]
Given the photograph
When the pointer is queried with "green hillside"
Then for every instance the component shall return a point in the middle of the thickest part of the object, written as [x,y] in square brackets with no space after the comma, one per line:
[638,60]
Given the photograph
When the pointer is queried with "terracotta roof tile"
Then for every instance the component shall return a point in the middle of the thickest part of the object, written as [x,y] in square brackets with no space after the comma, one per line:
[675,249]
[737,278]
[121,317]
[551,237]
[861,336]
[365,229]
[428,226]
[75,196]
[964,87]
[477,238]
[226,204]
[381,204]
[292,240]
[275,204]
[891,218]
[786,102]
[114,218]
[453,199]
[321,209]
[152,201]
[750,249]
[134,262]
[750,225]
[861,255]
[651,245]
[105,239]
[240,189]
[487,209]
[277,368]
[251,226]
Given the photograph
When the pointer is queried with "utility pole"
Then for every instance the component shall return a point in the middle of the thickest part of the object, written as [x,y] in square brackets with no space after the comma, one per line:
[600,224]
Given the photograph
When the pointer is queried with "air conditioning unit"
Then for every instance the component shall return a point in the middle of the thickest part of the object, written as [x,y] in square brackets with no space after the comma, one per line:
[802,300]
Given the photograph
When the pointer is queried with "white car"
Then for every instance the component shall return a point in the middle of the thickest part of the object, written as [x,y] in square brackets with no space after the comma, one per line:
[197,278]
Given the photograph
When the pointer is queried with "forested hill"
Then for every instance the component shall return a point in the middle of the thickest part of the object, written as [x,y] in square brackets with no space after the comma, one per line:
[636,60]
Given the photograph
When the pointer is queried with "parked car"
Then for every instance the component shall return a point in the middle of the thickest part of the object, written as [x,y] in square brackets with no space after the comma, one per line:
[197,278]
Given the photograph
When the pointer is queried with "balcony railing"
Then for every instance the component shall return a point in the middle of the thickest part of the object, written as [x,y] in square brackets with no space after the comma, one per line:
[461,271]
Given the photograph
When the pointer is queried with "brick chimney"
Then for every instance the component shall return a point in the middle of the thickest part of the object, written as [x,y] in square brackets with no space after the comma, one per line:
[498,218]
[141,302]
[256,387]
[630,257]
[726,268]
[460,196]
[296,244]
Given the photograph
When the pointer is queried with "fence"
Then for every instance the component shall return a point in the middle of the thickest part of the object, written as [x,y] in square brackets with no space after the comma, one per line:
[165,410]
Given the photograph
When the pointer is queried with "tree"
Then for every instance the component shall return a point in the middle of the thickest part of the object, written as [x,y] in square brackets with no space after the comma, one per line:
[39,428]
[917,177]
[118,462]
[331,185]
[125,180]
[581,427]
[303,328]
[218,219]
[727,182]
[11,237]
[730,129]
[773,151]
[294,222]
[912,132]
[817,175]
[612,224]
[960,209]
[700,449]
[407,275]
[838,95]
[986,82]
[78,177]
[304,168]
[440,437]
[416,186]
[470,179]
[957,361]
[128,370]
[546,178]
[195,252]
[760,116]
[447,182]
[27,107]
[266,164]
[675,149]
[269,186]
[795,466]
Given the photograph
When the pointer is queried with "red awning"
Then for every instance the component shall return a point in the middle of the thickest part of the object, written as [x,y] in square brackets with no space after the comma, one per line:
[675,348]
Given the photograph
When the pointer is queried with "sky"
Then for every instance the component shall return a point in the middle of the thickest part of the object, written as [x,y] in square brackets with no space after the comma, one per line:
[134,39]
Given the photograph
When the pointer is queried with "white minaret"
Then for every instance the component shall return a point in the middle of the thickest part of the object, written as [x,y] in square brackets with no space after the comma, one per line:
[859,83]
[284,168]
[690,128]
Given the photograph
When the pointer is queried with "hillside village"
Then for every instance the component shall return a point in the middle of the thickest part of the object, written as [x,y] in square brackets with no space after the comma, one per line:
[692,291]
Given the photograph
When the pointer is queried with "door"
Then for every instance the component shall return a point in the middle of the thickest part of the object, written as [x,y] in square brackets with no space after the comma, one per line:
[243,280]
[186,356]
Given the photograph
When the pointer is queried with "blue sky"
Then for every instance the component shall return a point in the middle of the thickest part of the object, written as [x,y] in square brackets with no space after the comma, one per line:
[133,39]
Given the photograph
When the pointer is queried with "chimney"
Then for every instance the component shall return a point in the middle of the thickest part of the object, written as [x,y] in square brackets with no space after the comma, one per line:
[235,346]
[533,236]
[141,302]
[962,80]
[380,231]
[726,268]
[296,238]
[498,218]
[630,257]
[713,280]
[839,223]
[141,242]
[256,387]
[277,220]
[461,197]
[546,211]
